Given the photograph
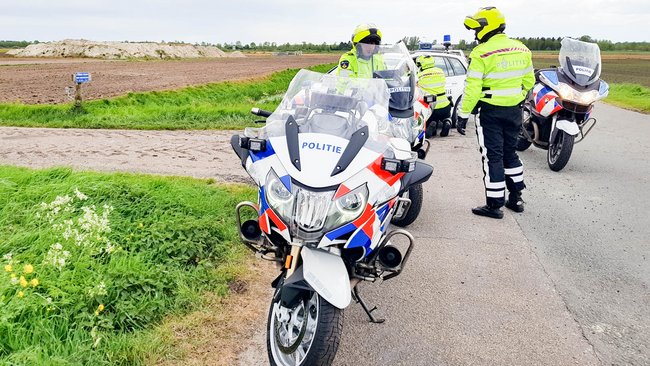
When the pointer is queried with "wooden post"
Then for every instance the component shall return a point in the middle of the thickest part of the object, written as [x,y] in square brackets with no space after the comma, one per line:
[78,79]
[77,96]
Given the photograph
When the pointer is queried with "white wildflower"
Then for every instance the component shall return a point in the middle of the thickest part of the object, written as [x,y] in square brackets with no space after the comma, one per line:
[99,290]
[7,256]
[80,196]
[56,256]
[14,280]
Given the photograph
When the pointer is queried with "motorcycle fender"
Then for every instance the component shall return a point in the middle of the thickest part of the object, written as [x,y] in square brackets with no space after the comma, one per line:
[567,126]
[326,274]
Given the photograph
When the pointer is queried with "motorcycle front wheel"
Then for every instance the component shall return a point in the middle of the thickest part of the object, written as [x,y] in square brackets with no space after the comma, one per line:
[559,151]
[307,334]
[416,196]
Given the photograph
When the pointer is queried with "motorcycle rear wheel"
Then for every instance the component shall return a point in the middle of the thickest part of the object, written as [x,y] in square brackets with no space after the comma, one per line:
[522,141]
[308,334]
[559,151]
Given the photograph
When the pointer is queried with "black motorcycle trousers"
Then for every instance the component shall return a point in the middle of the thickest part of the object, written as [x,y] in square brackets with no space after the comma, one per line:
[497,129]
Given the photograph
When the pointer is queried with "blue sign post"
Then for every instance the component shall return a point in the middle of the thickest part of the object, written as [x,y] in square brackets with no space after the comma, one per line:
[79,78]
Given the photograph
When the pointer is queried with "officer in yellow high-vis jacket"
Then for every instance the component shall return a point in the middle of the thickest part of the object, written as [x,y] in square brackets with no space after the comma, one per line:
[432,81]
[499,76]
[362,60]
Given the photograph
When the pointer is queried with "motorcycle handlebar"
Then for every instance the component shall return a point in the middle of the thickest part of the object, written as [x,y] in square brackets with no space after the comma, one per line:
[261,112]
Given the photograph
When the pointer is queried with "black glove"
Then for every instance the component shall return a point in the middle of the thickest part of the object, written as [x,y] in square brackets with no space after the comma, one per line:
[461,124]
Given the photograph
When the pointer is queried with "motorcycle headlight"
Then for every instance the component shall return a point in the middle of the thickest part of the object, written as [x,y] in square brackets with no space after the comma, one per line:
[278,196]
[347,208]
[311,209]
[566,92]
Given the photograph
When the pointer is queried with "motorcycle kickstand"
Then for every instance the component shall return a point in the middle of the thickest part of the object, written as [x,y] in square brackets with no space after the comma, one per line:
[359,300]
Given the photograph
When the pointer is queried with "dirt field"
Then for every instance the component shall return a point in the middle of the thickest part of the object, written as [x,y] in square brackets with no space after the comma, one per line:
[38,81]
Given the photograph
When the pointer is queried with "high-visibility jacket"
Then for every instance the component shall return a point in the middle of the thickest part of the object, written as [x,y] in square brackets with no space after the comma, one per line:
[432,81]
[500,73]
[352,66]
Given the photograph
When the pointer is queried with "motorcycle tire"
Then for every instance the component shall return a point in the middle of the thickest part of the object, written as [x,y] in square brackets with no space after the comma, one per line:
[559,151]
[455,110]
[522,143]
[415,194]
[320,318]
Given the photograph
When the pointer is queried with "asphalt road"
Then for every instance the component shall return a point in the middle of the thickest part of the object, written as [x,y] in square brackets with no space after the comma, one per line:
[564,283]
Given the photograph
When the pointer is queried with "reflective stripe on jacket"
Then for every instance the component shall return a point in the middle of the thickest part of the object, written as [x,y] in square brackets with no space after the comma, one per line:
[500,73]
[432,81]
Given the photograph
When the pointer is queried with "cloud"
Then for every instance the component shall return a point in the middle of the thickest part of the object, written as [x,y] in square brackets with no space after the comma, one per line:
[296,21]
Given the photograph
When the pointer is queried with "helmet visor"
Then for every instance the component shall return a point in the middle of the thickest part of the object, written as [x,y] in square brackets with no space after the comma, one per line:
[473,24]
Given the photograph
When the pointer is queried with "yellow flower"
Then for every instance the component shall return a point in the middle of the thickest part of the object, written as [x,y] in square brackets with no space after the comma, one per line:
[9,268]
[21,294]
[96,313]
[28,268]
[23,281]
[140,225]
[34,282]
[100,308]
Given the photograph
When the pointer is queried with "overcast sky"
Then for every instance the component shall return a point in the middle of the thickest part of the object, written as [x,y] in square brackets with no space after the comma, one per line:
[294,21]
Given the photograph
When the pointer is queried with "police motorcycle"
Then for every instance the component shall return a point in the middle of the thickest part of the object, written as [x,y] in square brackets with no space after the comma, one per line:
[409,109]
[329,184]
[557,113]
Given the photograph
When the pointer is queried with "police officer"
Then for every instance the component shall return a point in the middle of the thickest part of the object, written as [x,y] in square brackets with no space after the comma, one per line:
[499,76]
[362,60]
[432,81]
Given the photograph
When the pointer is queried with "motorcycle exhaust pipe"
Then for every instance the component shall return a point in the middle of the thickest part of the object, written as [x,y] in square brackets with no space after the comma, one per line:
[389,257]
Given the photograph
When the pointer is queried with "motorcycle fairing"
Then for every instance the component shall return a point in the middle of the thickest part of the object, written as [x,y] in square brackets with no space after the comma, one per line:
[367,228]
[545,100]
[549,77]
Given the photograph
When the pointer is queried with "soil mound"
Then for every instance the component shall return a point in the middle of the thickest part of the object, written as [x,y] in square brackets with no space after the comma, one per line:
[118,50]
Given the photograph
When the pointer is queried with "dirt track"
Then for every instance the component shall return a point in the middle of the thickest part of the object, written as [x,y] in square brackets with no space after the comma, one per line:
[201,154]
[38,81]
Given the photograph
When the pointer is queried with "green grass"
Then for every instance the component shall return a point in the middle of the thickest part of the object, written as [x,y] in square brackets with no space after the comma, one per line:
[170,241]
[214,106]
[630,96]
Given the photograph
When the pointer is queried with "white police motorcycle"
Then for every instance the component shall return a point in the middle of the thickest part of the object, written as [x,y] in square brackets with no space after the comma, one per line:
[329,183]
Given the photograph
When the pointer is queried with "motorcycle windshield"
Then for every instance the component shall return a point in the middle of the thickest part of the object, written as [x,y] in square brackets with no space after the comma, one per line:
[580,61]
[328,128]
[399,73]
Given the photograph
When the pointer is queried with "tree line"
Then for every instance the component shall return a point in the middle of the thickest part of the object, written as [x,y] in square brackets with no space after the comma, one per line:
[412,43]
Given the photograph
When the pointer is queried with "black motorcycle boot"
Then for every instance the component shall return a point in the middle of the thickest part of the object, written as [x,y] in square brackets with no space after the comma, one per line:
[446,126]
[487,211]
[514,202]
[432,129]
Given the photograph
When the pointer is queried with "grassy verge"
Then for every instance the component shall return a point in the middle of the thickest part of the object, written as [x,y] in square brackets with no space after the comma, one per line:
[630,96]
[89,262]
[214,106]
